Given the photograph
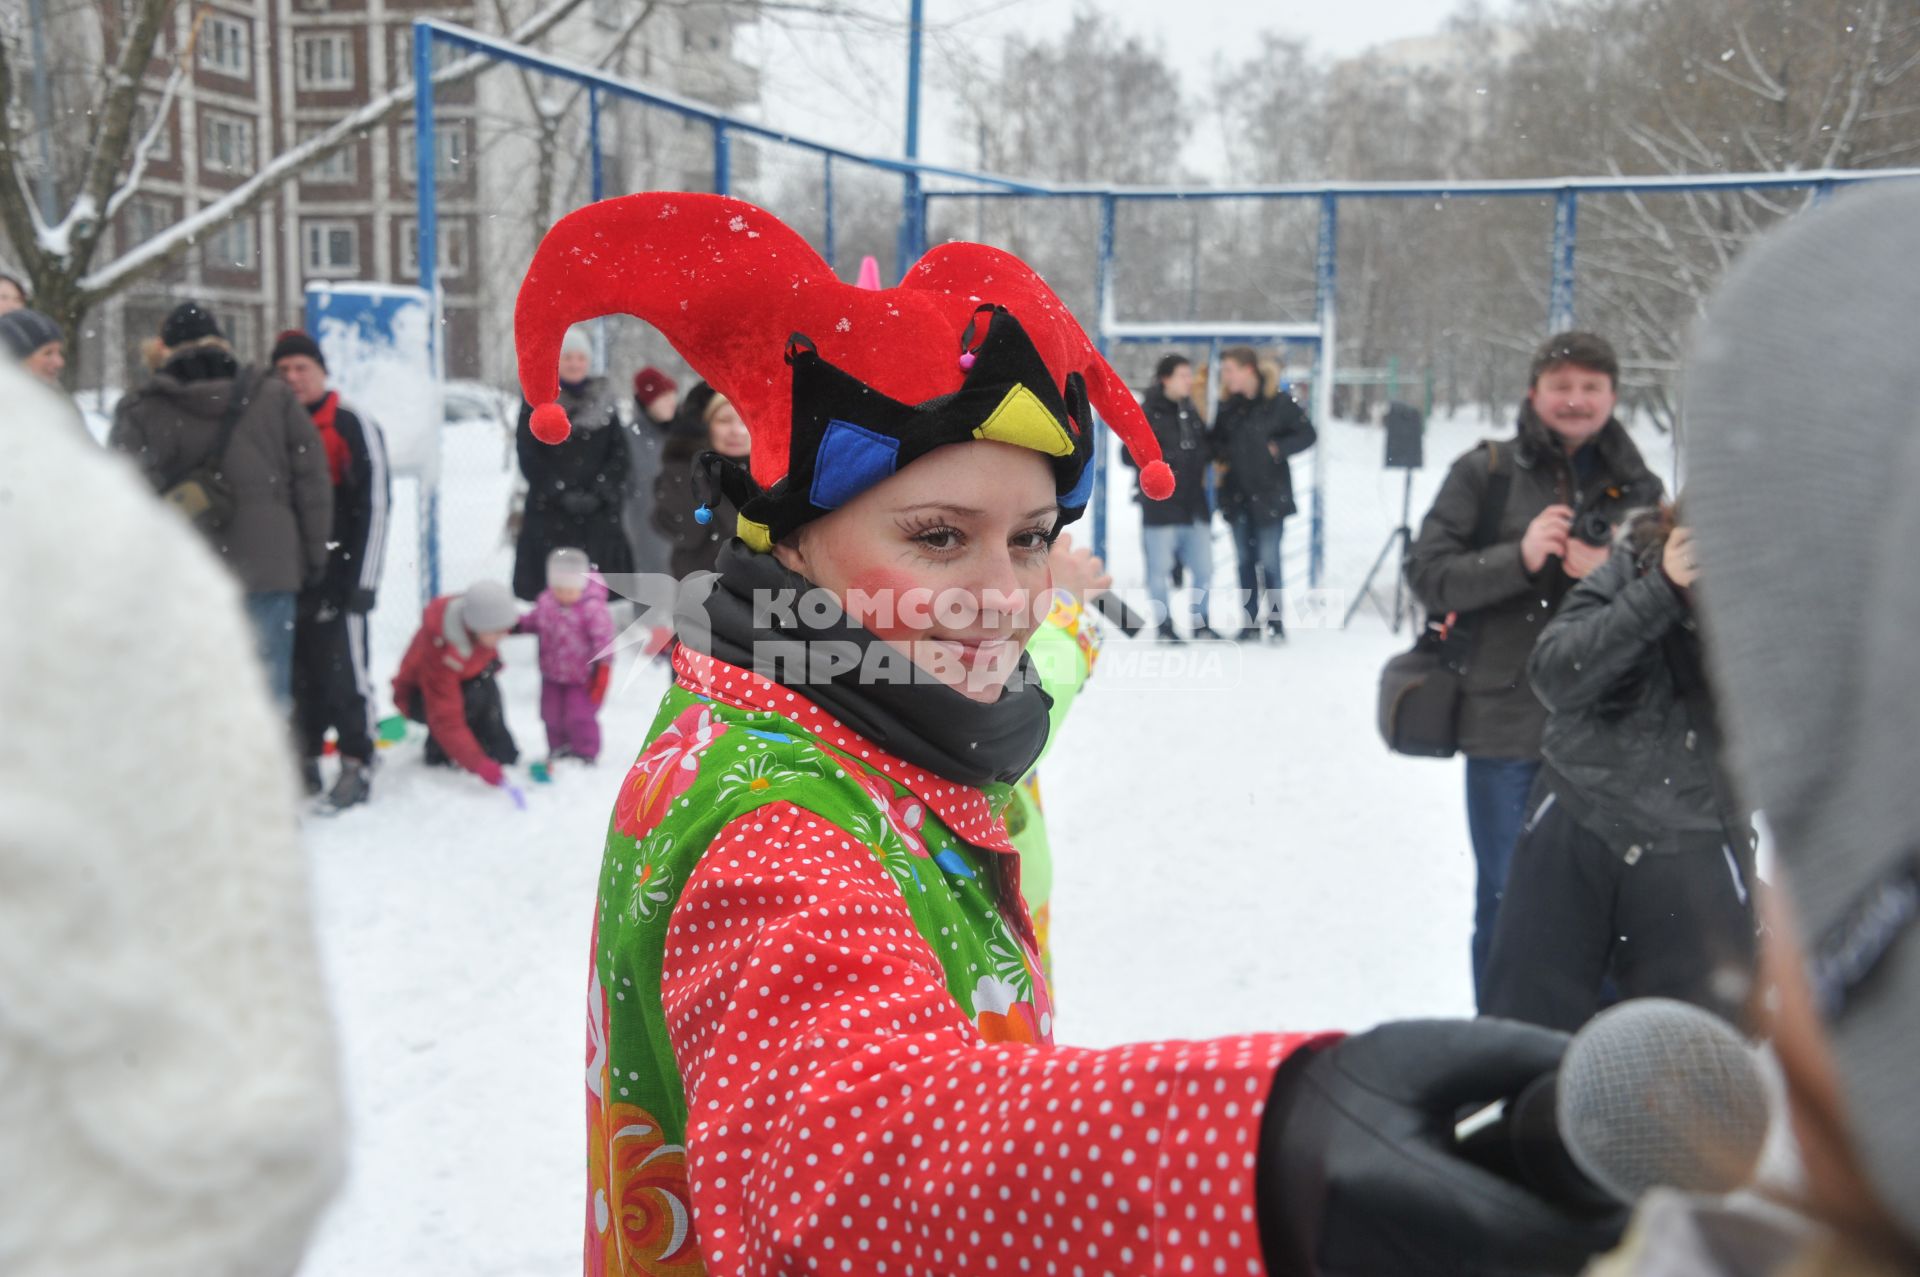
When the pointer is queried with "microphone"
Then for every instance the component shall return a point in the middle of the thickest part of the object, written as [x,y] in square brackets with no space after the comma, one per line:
[1651,1093]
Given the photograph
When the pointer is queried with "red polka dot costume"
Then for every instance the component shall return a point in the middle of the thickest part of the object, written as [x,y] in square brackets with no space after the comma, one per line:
[820,1039]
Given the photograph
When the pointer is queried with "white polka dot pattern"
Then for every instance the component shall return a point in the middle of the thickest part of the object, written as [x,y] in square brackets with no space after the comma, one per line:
[845,1117]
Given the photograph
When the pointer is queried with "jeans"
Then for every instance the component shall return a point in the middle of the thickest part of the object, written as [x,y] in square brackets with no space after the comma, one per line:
[1193,543]
[1497,790]
[271,614]
[1256,542]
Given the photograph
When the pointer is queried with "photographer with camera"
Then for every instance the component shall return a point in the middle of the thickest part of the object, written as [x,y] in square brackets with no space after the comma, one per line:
[1634,859]
[1498,551]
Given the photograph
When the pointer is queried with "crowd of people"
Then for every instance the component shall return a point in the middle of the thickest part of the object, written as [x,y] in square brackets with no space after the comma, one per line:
[839,1037]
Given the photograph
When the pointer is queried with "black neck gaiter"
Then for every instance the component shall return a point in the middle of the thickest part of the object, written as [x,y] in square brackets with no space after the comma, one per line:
[832,661]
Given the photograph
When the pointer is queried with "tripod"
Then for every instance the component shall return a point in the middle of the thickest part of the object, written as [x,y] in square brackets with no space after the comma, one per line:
[1401,536]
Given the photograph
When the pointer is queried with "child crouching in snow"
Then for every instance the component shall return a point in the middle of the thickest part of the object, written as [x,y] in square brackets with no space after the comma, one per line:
[574,627]
[446,681]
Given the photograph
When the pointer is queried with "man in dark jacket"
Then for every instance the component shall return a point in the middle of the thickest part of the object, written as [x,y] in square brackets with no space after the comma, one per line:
[331,687]
[275,542]
[1633,860]
[1255,429]
[1498,548]
[1181,527]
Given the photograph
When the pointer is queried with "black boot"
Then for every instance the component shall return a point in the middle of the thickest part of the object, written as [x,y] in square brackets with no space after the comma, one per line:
[1167,634]
[310,776]
[354,786]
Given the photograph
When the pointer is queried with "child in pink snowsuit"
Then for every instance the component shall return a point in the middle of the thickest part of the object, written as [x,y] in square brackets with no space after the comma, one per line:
[574,628]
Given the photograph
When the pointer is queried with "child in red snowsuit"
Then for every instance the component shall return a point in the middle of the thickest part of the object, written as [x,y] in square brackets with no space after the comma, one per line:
[446,680]
[574,627]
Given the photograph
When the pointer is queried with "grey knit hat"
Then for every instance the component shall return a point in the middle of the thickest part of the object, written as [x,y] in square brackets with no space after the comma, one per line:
[1803,407]
[24,331]
[488,606]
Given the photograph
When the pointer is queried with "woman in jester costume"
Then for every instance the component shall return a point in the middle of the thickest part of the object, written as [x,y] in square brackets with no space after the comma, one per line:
[819,1038]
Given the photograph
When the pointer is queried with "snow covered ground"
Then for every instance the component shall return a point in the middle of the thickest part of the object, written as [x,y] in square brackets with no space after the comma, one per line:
[1234,851]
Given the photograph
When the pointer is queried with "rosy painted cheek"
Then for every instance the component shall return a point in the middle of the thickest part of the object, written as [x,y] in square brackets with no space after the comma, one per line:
[884,600]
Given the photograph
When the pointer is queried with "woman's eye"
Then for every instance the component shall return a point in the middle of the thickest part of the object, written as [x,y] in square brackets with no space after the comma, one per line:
[938,539]
[1035,540]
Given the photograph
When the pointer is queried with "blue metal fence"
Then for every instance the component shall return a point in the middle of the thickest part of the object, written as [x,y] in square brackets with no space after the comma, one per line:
[962,183]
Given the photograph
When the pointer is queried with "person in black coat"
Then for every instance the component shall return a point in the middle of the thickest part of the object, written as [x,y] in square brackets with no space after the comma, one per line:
[679,492]
[576,489]
[331,684]
[1255,430]
[1634,859]
[1181,527]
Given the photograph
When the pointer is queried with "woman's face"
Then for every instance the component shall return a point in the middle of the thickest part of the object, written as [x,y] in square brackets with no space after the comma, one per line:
[727,434]
[575,365]
[10,296]
[946,561]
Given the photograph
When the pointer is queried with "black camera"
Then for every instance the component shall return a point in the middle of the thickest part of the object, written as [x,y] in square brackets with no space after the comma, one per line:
[1592,527]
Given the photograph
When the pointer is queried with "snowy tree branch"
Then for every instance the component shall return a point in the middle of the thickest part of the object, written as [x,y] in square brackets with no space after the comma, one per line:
[1771,89]
[84,222]
[144,148]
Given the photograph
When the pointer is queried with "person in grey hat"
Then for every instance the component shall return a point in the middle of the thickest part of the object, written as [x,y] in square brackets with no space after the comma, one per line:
[446,681]
[36,342]
[1804,483]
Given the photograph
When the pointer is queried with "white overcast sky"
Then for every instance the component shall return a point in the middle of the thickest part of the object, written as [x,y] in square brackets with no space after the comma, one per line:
[845,83]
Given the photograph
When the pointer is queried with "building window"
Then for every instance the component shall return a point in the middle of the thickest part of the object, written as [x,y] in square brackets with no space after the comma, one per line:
[451,250]
[342,166]
[324,61]
[444,55]
[143,120]
[233,246]
[449,153]
[227,143]
[224,45]
[146,218]
[331,248]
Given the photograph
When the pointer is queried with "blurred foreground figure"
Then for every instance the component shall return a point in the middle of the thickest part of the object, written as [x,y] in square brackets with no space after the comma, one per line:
[1804,484]
[169,1104]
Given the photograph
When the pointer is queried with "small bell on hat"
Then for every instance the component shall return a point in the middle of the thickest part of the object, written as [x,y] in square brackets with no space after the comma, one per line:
[839,385]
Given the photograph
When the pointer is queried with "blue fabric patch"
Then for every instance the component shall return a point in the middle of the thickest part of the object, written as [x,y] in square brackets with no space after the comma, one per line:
[949,859]
[1082,489]
[850,461]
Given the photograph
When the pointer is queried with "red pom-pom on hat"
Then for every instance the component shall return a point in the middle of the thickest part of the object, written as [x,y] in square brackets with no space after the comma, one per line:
[550,424]
[1157,480]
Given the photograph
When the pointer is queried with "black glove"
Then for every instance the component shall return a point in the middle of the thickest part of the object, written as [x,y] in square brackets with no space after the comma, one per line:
[1357,1173]
[361,601]
[579,504]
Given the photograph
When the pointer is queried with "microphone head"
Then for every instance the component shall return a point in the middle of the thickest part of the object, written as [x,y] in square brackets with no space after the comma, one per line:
[1655,1092]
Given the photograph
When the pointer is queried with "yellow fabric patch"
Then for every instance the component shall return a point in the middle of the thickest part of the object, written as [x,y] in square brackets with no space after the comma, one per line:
[756,535]
[1022,420]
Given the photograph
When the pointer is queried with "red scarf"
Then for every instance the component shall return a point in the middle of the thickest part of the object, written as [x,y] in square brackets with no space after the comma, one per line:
[337,453]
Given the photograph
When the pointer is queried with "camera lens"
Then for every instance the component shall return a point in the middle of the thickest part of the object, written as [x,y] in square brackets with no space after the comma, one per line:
[1593,528]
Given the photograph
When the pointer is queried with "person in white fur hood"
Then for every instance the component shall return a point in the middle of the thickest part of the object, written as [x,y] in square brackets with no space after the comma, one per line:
[170,1103]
